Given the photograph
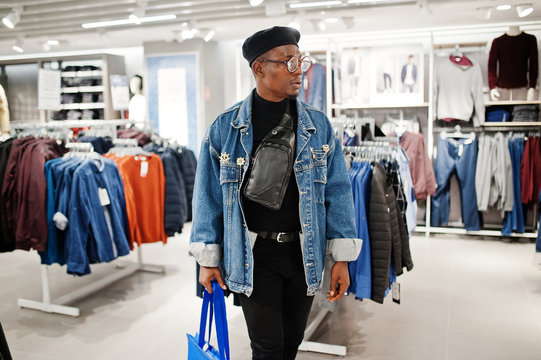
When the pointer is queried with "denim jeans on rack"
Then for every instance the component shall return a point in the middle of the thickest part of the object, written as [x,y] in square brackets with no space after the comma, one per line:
[514,220]
[455,156]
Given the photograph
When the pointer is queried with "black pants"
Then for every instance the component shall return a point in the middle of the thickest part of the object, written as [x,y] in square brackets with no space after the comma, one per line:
[277,311]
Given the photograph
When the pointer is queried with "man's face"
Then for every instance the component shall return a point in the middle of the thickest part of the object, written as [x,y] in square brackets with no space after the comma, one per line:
[274,81]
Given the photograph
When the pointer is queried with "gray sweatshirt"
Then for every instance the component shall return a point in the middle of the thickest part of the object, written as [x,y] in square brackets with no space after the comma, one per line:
[458,91]
[493,175]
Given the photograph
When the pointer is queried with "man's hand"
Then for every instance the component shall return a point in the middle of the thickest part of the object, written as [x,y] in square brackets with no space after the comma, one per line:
[207,274]
[339,281]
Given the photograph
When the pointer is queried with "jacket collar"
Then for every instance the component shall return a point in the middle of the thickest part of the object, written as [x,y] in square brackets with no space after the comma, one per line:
[244,116]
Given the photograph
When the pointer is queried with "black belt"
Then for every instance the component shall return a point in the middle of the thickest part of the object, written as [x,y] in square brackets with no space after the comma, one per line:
[281,237]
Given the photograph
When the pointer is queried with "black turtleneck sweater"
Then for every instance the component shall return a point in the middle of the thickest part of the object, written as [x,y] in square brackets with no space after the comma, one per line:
[265,116]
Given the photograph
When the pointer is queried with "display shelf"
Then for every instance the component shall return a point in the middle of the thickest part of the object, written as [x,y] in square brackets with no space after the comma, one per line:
[512,123]
[87,73]
[376,106]
[513,102]
[78,89]
[83,106]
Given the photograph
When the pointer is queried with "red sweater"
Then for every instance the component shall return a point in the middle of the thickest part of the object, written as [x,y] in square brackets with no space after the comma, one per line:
[508,62]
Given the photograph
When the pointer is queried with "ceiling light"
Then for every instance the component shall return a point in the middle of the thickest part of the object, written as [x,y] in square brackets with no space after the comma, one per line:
[524,9]
[18,46]
[423,7]
[295,23]
[331,20]
[53,42]
[256,2]
[187,34]
[105,37]
[318,24]
[365,1]
[349,21]
[118,22]
[503,7]
[483,12]
[137,15]
[11,19]
[275,8]
[207,34]
[314,4]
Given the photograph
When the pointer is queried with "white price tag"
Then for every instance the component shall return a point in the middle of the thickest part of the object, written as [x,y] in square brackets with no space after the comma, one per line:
[460,149]
[144,168]
[395,288]
[104,197]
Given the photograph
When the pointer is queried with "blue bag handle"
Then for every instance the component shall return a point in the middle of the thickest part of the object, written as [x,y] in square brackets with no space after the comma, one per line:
[216,304]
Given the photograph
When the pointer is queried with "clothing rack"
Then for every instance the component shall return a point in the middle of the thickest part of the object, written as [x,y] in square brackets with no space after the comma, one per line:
[366,148]
[125,269]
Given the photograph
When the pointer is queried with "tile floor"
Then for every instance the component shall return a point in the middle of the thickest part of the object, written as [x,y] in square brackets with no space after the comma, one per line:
[466,298]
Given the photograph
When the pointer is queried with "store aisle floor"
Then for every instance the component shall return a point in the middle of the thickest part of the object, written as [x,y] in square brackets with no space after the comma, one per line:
[465,299]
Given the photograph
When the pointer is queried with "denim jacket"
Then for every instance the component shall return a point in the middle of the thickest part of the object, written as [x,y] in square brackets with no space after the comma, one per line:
[220,236]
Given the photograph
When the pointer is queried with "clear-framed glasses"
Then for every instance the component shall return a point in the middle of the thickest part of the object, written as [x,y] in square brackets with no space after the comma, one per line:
[293,63]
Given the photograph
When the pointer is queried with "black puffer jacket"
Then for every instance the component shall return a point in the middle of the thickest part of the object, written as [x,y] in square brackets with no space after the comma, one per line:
[188,166]
[379,228]
[388,233]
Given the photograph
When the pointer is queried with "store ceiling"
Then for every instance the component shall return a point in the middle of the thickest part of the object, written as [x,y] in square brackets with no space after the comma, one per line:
[61,20]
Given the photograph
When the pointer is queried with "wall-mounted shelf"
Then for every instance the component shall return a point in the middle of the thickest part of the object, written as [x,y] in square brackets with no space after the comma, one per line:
[87,73]
[512,102]
[377,106]
[511,123]
[78,89]
[83,106]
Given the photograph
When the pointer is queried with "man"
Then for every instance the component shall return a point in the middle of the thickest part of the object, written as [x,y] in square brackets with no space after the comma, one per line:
[273,258]
[409,75]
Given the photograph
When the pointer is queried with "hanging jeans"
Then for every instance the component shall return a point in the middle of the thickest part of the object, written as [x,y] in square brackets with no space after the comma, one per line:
[514,220]
[458,156]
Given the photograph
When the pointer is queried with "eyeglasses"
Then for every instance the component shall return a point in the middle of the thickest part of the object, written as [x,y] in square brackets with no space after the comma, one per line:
[293,63]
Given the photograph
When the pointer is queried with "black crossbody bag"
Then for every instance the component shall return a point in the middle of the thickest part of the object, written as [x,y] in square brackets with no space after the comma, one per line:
[272,164]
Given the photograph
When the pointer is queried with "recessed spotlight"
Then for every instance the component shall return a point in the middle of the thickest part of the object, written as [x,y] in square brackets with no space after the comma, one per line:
[53,42]
[524,9]
[503,7]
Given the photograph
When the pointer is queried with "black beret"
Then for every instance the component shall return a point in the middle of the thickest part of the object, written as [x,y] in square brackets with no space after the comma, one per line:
[264,40]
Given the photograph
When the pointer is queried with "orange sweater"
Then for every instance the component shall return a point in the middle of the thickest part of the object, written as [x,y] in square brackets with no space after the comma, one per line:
[144,189]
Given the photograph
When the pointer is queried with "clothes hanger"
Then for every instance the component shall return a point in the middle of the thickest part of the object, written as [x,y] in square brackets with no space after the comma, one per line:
[457,134]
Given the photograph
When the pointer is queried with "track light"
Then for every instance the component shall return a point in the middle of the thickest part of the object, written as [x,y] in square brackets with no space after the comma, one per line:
[503,7]
[207,34]
[18,46]
[318,24]
[295,23]
[349,21]
[423,7]
[137,14]
[256,2]
[11,19]
[524,9]
[483,12]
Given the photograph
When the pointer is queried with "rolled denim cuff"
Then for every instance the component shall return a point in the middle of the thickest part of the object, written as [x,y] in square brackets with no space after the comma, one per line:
[344,249]
[208,255]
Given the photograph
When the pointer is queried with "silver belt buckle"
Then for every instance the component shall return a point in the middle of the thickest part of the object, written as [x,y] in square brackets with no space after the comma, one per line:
[279,236]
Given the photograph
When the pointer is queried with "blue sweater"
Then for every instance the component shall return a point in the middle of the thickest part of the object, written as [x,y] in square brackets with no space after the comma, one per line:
[91,225]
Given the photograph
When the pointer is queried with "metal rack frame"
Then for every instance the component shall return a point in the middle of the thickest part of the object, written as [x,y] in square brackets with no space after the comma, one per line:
[58,306]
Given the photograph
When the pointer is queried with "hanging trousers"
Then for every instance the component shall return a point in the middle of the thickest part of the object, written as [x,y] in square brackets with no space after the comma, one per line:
[277,311]
[514,220]
[455,156]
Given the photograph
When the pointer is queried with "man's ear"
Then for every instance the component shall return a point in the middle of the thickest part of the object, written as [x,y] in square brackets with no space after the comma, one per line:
[257,68]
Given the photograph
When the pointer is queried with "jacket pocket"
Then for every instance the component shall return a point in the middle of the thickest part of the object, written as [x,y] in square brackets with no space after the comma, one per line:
[229,174]
[320,174]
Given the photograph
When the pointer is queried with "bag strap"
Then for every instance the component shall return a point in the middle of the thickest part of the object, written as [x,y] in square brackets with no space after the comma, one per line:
[207,303]
[221,322]
[287,119]
[215,304]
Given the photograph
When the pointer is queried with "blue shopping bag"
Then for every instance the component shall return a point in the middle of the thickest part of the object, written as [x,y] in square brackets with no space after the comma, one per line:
[198,347]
